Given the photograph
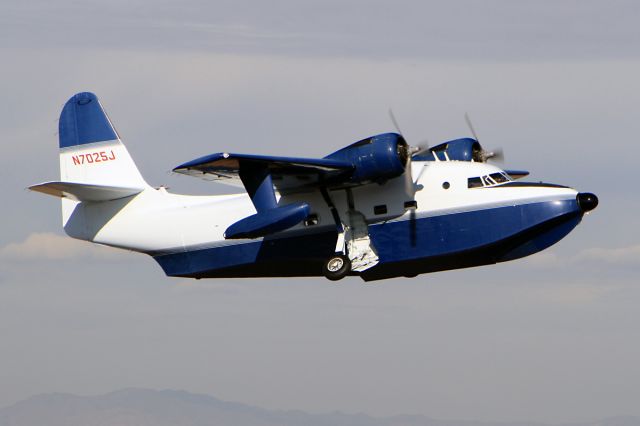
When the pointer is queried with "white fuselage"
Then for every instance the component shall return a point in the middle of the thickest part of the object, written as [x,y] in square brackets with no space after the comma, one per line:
[156,221]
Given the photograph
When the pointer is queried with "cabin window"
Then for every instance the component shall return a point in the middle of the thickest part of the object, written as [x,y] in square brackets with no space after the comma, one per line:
[381,209]
[474,182]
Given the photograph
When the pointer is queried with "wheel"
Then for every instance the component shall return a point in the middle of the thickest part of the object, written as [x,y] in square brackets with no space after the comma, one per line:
[336,267]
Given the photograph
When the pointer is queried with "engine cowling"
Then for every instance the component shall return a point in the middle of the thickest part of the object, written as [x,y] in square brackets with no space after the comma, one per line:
[465,149]
[375,159]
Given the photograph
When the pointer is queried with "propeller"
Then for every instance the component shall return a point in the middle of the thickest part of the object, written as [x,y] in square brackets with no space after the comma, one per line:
[470,125]
[413,149]
[484,155]
[394,121]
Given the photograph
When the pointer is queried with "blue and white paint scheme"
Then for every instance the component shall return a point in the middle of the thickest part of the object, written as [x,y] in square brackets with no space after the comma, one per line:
[376,208]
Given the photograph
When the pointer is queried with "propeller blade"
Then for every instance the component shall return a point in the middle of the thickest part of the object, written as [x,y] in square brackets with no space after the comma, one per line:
[394,121]
[470,125]
[495,155]
[420,148]
[413,228]
[413,149]
[417,178]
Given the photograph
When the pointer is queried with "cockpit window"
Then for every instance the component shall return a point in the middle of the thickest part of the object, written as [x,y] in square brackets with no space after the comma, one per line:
[498,177]
[474,182]
[488,180]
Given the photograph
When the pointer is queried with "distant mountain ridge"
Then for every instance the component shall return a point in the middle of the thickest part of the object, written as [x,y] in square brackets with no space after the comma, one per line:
[144,407]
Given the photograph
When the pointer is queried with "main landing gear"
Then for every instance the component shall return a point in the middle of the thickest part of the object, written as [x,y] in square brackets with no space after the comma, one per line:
[354,251]
[336,267]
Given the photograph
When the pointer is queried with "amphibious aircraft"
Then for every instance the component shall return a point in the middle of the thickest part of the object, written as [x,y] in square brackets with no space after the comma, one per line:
[378,208]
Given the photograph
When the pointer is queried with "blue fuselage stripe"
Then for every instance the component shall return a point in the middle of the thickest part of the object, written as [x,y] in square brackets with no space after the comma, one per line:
[395,241]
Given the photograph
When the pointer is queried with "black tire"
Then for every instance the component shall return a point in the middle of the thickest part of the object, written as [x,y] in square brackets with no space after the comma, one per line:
[336,267]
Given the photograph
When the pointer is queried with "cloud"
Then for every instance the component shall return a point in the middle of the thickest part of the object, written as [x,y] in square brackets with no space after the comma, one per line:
[626,256]
[613,256]
[571,294]
[545,259]
[483,30]
[50,246]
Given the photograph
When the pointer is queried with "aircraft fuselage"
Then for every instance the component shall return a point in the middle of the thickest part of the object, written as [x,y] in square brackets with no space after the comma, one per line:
[444,224]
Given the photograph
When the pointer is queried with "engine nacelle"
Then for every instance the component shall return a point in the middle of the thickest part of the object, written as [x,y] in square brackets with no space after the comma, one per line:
[465,149]
[375,159]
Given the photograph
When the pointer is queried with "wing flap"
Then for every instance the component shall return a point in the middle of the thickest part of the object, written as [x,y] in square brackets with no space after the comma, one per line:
[84,192]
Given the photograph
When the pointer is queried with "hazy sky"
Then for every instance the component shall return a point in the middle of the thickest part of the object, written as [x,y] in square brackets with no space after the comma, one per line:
[554,337]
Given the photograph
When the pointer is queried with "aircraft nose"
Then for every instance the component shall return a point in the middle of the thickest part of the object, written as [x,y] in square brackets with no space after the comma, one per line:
[587,201]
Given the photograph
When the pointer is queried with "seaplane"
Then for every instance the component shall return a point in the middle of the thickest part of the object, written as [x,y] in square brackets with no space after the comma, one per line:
[378,208]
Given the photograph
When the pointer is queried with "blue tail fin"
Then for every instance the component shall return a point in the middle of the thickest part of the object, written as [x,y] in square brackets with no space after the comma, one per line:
[83,121]
[91,151]
[92,156]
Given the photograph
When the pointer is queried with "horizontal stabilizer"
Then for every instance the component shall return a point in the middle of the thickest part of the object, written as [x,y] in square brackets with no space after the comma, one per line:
[85,192]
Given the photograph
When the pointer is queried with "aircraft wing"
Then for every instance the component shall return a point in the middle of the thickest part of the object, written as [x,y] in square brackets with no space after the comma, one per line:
[287,173]
[374,159]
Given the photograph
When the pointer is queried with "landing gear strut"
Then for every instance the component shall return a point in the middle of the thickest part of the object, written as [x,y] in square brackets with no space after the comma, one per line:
[336,267]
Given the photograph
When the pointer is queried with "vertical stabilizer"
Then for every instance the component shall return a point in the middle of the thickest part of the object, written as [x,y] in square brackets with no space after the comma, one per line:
[91,151]
[90,148]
